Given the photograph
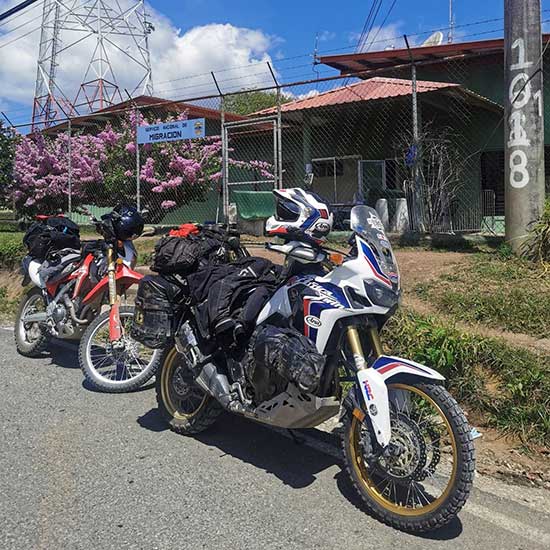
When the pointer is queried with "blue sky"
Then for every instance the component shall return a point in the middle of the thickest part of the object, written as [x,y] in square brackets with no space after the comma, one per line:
[236,38]
[296,22]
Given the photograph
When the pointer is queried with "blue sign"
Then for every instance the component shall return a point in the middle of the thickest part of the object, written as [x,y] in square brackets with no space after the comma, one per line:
[410,156]
[172,131]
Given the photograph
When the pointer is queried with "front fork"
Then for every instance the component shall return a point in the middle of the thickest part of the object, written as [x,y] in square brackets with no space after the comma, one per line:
[115,326]
[371,385]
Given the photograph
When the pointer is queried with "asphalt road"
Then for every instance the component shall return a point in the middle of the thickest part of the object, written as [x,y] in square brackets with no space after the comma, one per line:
[84,470]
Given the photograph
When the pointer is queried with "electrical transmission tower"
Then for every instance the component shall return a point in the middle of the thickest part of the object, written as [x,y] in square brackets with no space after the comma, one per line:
[110,30]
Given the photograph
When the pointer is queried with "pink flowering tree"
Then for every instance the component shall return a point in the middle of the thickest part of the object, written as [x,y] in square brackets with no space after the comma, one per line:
[103,169]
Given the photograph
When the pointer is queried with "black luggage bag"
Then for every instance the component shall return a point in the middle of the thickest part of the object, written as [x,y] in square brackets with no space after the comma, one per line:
[160,302]
[54,234]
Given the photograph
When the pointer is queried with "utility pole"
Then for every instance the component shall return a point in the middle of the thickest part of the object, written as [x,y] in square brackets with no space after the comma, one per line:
[524,119]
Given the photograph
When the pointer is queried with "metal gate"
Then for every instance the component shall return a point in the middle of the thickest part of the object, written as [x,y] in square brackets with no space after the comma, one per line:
[252,162]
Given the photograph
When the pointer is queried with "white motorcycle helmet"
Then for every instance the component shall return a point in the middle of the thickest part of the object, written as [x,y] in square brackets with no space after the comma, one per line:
[299,214]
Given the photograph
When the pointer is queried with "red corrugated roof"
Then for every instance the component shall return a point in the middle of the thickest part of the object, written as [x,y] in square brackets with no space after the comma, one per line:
[366,90]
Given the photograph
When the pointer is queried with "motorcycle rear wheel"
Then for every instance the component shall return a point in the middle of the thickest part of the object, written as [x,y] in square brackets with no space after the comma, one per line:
[116,371]
[31,340]
[183,404]
[428,479]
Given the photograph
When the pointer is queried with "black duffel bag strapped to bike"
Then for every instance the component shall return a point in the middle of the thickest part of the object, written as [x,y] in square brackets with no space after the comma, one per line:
[160,302]
[185,255]
[51,235]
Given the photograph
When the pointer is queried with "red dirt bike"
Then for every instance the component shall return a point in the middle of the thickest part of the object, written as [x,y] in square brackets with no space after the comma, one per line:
[69,291]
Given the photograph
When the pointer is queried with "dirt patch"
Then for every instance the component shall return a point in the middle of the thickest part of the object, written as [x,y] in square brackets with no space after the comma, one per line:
[505,457]
[418,266]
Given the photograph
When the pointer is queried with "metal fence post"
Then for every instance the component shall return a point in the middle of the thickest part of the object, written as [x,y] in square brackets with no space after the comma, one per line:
[279,139]
[417,206]
[138,163]
[70,169]
[224,197]
[225,165]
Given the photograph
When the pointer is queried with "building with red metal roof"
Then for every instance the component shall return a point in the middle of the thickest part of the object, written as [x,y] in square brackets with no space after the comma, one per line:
[476,65]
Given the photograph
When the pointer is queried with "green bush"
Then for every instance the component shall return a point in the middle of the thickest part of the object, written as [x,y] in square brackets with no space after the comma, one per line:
[12,250]
[7,304]
[519,398]
[537,246]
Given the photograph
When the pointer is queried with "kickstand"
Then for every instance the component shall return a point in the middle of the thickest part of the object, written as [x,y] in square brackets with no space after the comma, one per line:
[297,439]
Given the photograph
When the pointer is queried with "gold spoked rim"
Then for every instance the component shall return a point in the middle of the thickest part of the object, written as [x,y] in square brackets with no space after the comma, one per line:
[181,396]
[431,431]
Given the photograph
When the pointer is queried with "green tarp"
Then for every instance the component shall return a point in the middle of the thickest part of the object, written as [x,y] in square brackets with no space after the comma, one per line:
[254,205]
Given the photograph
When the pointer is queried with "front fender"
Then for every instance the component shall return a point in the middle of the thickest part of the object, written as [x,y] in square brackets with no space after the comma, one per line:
[373,385]
[125,277]
[389,367]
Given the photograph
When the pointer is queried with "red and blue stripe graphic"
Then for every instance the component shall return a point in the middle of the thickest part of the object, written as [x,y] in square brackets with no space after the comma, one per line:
[373,262]
[387,364]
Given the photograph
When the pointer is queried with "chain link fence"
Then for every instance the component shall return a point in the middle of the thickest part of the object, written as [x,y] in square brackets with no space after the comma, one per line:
[421,142]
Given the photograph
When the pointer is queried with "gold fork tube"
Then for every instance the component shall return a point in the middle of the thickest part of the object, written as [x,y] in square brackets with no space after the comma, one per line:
[376,343]
[111,268]
[356,347]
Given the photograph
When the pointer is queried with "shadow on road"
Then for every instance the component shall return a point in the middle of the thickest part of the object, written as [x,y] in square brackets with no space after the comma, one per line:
[152,421]
[296,465]
[64,354]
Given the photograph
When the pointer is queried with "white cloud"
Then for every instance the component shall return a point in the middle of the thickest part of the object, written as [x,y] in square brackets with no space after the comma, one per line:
[326,36]
[380,38]
[239,56]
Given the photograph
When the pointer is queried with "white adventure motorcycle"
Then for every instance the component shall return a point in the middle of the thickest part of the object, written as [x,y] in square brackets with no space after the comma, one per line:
[406,443]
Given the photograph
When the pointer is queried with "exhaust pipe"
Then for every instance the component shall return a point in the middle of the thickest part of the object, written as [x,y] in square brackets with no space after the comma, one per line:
[35,318]
[217,385]
[70,306]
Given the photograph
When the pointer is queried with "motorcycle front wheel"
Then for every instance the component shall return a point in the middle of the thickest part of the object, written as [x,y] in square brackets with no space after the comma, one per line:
[424,477]
[116,367]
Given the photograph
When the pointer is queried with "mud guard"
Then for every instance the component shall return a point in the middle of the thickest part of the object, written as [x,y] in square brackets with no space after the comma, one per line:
[125,278]
[373,385]
[115,326]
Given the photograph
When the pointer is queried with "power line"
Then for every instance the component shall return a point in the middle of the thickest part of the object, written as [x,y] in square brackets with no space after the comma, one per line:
[21,26]
[17,8]
[19,37]
[382,24]
[8,20]
[368,23]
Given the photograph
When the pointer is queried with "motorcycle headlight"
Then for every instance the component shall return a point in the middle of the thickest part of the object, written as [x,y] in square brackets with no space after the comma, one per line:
[381,295]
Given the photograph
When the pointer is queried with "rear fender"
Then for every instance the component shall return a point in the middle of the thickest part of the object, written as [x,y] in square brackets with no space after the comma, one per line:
[125,278]
[373,384]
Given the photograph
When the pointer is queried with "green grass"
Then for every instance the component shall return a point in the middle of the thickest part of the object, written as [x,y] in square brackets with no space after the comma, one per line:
[497,290]
[509,386]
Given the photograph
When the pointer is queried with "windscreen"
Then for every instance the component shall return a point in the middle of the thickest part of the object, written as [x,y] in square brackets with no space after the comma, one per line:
[365,222]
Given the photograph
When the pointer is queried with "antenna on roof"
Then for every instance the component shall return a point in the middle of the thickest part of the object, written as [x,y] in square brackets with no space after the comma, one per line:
[450,36]
[315,55]
[434,40]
